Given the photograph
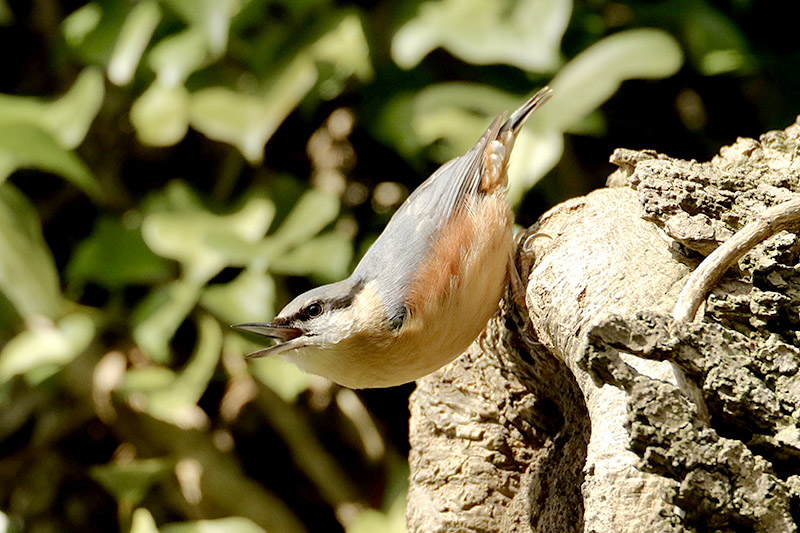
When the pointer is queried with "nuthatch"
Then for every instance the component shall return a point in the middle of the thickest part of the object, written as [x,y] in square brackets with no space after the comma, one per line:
[427,286]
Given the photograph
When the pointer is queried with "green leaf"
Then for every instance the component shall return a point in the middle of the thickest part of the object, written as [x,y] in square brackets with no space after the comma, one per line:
[280,375]
[143,522]
[310,215]
[81,22]
[93,29]
[24,145]
[6,15]
[210,17]
[133,38]
[10,319]
[251,296]
[67,119]
[457,114]
[714,42]
[38,134]
[157,318]
[175,57]
[326,257]
[161,114]
[370,520]
[596,73]
[28,275]
[130,482]
[199,239]
[536,152]
[525,33]
[345,47]
[44,348]
[394,125]
[148,378]
[221,525]
[247,121]
[176,401]
[115,256]
[453,115]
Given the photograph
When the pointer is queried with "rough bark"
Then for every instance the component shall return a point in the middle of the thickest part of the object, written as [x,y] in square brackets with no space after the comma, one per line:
[567,415]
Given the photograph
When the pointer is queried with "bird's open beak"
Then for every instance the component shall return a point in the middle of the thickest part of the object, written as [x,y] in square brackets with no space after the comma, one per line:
[284,334]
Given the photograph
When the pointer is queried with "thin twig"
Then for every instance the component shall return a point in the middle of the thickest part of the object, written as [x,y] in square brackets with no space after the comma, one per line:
[767,224]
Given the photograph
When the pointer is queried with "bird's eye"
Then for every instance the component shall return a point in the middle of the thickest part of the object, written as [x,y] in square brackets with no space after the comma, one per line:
[314,310]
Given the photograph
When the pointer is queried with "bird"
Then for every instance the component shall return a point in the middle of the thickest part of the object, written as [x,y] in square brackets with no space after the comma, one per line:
[425,289]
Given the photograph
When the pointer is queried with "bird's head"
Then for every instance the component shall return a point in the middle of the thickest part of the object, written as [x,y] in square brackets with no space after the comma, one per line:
[318,319]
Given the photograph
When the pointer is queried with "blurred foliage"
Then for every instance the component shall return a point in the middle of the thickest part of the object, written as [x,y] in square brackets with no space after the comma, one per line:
[170,167]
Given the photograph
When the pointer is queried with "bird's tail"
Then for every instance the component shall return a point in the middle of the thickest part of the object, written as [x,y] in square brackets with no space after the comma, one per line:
[518,117]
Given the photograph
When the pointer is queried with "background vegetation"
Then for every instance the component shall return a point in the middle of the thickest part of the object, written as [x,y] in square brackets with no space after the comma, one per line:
[170,167]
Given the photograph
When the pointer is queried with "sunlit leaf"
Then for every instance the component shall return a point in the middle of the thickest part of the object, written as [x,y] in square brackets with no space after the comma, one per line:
[312,213]
[221,525]
[249,297]
[524,33]
[161,114]
[69,117]
[131,481]
[326,257]
[580,87]
[157,318]
[28,276]
[280,375]
[596,73]
[177,56]
[45,348]
[24,145]
[66,119]
[457,114]
[247,121]
[148,378]
[211,17]
[115,256]
[93,29]
[346,48]
[370,520]
[535,154]
[81,23]
[143,522]
[454,115]
[196,238]
[176,196]
[133,38]
[176,402]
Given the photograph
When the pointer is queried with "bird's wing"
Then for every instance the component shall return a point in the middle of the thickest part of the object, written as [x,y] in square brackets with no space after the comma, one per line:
[396,256]
[397,253]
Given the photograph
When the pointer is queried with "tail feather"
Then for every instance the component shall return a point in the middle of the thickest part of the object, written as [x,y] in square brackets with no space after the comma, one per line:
[518,117]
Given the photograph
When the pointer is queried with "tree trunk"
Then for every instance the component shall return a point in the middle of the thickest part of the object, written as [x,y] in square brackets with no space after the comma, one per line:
[567,415]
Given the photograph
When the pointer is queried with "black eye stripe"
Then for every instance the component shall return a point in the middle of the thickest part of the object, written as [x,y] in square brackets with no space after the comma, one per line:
[310,310]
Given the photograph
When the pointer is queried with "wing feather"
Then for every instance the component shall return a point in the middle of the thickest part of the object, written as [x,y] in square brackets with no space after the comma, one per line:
[397,254]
